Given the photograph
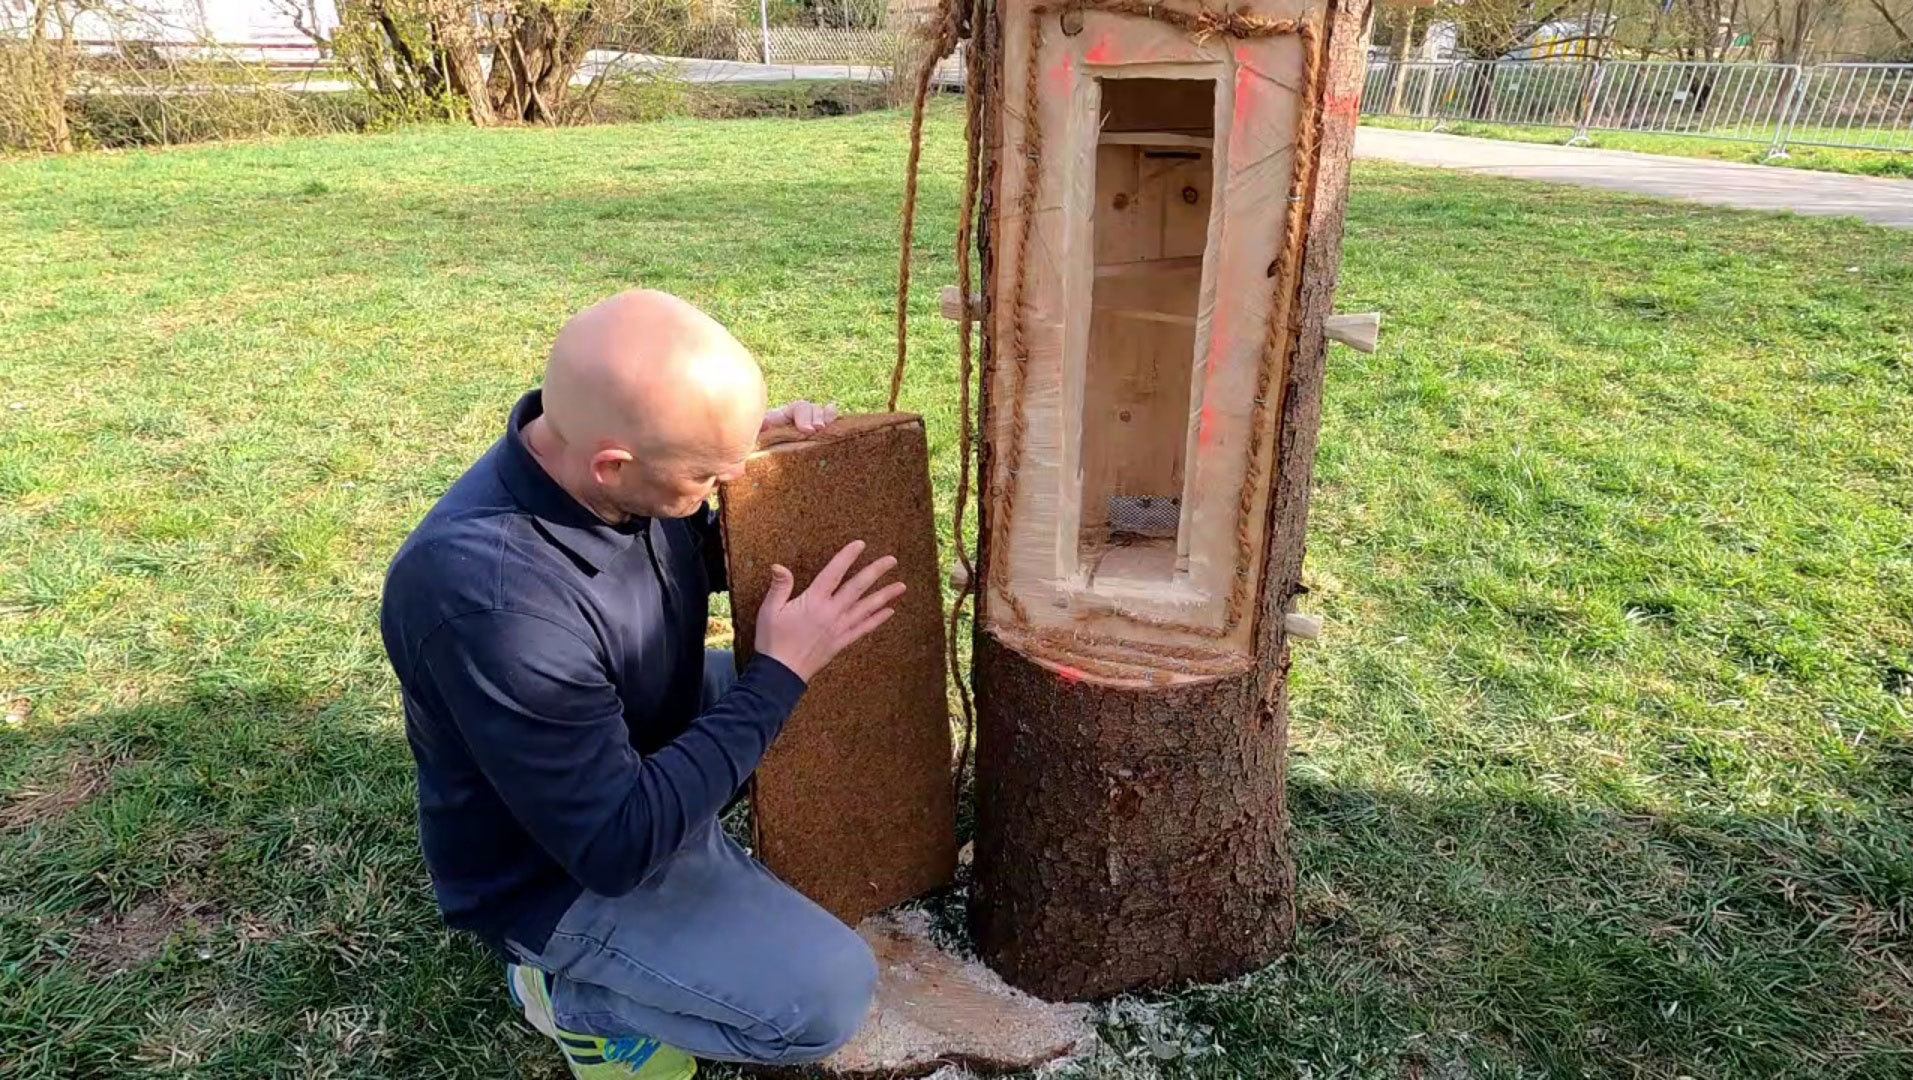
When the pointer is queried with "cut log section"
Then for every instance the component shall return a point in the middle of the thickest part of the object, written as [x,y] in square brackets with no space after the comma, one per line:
[853,804]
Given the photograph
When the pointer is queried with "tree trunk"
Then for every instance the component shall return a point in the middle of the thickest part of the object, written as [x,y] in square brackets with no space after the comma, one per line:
[1136,836]
[1127,837]
[1901,35]
[48,59]
[537,58]
[1399,83]
[457,40]
[1795,34]
[411,73]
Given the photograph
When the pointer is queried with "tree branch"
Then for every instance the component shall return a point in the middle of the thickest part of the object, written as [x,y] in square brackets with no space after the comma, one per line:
[1892,23]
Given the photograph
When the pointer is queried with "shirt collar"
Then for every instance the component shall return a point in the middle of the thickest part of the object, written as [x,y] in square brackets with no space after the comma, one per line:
[561,519]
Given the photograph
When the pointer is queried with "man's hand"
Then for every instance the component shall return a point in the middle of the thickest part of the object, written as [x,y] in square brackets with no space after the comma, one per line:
[806,417]
[805,633]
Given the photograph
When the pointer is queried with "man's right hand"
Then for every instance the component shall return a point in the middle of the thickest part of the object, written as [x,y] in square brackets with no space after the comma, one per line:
[805,633]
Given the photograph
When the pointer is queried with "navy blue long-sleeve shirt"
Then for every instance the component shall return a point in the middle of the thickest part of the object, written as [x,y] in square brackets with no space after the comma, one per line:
[551,667]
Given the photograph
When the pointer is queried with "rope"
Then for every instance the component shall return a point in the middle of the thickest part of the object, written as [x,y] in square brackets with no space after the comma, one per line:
[942,42]
[976,63]
[1019,286]
[957,19]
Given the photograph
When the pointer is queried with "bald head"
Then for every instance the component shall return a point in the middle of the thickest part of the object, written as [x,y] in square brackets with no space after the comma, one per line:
[648,402]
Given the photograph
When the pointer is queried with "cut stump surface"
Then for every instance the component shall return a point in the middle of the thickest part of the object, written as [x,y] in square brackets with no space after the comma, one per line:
[934,1010]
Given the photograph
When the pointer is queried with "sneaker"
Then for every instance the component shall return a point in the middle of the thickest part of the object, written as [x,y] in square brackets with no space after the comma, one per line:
[593,1057]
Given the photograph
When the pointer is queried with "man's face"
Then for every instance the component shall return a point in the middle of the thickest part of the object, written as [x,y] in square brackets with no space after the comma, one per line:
[673,482]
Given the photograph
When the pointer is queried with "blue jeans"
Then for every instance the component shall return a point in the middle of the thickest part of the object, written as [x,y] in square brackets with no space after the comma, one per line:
[711,954]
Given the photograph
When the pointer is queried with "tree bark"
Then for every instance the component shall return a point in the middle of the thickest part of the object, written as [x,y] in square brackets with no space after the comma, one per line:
[1137,837]
[535,58]
[49,58]
[1900,32]
[1399,81]
[464,70]
[1126,838]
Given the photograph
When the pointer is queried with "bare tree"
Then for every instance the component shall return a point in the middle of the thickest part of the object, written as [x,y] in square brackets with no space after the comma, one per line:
[39,53]
[1401,38]
[1897,23]
[1704,29]
[1793,25]
[118,72]
[305,18]
[1490,29]
[501,61]
[537,49]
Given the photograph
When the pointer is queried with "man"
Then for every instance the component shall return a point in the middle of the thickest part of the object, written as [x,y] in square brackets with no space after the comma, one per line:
[574,741]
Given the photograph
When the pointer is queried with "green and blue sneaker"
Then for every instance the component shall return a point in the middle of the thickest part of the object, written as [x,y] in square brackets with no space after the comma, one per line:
[594,1057]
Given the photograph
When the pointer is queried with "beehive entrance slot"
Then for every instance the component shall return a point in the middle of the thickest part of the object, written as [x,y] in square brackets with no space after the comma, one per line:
[1154,185]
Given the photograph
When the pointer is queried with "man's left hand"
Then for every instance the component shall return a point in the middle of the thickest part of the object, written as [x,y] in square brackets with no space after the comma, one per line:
[806,417]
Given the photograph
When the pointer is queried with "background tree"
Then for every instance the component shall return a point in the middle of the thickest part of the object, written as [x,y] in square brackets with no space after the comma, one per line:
[1898,29]
[1491,29]
[495,62]
[38,56]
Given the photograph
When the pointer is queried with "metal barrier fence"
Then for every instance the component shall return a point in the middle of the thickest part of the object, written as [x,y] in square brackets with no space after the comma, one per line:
[1869,106]
[810,52]
[1864,105]
[821,45]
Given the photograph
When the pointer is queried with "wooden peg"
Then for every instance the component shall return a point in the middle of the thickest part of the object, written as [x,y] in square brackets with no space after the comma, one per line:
[1358,332]
[950,303]
[1298,625]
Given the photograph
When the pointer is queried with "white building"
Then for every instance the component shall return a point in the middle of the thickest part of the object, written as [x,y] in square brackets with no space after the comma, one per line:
[268,30]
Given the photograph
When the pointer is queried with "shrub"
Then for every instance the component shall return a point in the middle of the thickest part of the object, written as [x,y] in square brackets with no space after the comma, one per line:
[106,120]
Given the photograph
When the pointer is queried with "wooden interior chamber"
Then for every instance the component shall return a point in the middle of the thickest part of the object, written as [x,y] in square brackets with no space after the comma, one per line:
[1154,190]
[1136,421]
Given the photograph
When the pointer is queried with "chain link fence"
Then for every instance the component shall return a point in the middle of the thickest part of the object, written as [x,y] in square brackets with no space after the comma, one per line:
[1865,106]
[871,54]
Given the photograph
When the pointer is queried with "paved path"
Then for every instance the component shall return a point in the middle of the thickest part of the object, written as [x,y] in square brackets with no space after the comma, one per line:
[1721,183]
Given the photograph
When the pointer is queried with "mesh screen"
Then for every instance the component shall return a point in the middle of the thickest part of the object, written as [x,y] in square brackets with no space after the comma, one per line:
[1144,515]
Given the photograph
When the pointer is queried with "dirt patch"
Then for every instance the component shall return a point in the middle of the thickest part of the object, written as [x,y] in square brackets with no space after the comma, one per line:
[86,775]
[122,940]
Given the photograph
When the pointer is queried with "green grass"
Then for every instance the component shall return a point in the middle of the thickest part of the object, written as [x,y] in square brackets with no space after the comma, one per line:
[1603,767]
[1799,154]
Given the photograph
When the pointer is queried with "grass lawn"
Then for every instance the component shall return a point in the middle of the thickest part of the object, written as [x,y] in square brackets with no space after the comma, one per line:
[1603,767]
[1799,155]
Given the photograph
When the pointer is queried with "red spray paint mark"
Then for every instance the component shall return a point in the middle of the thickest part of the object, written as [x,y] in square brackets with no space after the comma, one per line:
[1218,337]
[1098,53]
[1059,75]
[1342,104]
[1206,427]
[1246,106]
[1068,674]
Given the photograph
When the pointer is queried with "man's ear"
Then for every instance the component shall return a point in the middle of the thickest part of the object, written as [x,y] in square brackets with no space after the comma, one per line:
[607,464]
